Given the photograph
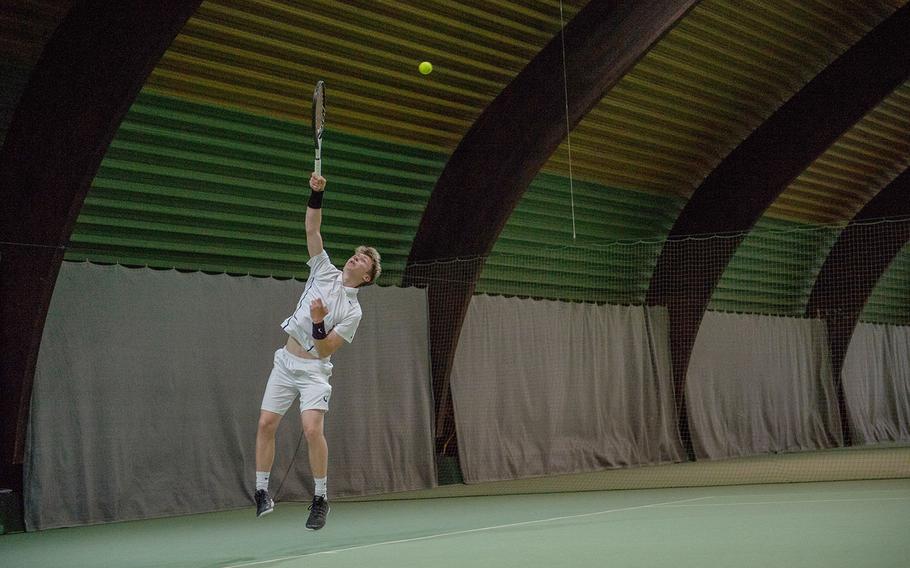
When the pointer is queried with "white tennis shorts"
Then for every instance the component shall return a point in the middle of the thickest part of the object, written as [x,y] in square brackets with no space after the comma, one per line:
[292,375]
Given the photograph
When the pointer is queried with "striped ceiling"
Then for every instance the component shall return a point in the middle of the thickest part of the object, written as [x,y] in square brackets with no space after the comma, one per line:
[223,118]
[662,129]
[708,84]
[850,173]
[666,125]
[265,56]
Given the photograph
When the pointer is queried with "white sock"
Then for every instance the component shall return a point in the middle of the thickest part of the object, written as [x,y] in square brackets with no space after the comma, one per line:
[320,486]
[262,480]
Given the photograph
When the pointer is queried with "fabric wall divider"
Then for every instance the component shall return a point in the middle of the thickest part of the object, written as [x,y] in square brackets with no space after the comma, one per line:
[549,387]
[148,388]
[876,378]
[761,384]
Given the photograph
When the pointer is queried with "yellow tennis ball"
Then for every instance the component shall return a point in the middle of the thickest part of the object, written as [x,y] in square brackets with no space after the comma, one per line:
[425,67]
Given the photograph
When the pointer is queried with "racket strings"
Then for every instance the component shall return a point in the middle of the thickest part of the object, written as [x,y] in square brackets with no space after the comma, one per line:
[565,89]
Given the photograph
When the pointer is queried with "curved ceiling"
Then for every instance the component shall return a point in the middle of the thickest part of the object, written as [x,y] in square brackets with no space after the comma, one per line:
[711,81]
[702,90]
[865,159]
[205,170]
[265,57]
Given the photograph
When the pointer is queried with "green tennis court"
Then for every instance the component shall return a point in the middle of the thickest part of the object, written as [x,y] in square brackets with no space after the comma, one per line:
[862,523]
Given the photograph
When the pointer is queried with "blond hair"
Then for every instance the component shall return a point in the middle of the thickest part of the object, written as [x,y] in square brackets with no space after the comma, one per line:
[377,262]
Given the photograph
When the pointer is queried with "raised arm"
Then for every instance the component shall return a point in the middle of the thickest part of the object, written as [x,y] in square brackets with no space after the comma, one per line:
[314,215]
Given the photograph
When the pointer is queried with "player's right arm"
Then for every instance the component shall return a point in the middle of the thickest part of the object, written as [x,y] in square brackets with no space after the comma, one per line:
[314,215]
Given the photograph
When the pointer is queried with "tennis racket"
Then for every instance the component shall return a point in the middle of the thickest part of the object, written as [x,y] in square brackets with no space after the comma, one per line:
[318,124]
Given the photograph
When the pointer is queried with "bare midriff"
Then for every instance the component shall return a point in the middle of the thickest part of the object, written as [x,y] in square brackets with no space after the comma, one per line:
[296,349]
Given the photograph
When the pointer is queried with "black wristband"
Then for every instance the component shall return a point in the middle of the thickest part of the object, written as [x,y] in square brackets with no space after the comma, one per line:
[315,201]
[319,330]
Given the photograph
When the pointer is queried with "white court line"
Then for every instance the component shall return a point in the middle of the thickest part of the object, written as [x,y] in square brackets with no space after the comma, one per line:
[787,502]
[901,491]
[466,531]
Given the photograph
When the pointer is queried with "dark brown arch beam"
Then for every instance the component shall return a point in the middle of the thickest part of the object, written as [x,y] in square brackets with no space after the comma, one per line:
[512,139]
[83,84]
[859,257]
[743,186]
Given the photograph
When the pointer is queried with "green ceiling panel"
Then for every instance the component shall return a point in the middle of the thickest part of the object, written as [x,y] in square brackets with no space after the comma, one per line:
[198,187]
[193,186]
[890,301]
[774,268]
[618,239]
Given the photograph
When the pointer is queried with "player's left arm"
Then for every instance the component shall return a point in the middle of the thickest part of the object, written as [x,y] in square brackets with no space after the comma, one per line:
[329,342]
[329,345]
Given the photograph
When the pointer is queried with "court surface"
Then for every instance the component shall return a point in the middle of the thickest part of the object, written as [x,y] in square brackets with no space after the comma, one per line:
[829,524]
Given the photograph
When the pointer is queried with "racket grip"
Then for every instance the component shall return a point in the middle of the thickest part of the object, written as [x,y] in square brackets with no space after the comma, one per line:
[317,163]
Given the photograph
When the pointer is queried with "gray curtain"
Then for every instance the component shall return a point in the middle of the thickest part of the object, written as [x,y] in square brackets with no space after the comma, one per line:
[759,384]
[545,387]
[876,379]
[147,392]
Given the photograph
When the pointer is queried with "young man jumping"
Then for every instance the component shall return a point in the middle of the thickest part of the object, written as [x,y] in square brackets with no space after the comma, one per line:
[327,315]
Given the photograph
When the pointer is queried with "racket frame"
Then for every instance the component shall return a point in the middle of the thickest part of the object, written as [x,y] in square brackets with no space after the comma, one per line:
[318,124]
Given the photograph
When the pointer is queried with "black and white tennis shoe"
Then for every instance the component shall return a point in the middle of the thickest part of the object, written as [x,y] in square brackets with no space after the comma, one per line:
[319,510]
[264,503]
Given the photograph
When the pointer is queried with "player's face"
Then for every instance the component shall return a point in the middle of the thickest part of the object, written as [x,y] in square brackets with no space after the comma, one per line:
[359,265]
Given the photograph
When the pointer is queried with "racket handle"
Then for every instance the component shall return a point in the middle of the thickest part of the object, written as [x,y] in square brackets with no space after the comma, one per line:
[317,163]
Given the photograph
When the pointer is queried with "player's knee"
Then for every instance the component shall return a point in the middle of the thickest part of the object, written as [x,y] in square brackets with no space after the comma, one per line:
[312,430]
[268,424]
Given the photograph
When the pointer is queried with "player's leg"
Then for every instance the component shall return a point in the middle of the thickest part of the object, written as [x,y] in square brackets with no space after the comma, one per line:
[265,445]
[317,447]
[318,451]
[315,393]
[280,392]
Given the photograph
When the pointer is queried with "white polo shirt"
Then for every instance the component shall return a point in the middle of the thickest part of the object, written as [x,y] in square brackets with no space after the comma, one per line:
[325,282]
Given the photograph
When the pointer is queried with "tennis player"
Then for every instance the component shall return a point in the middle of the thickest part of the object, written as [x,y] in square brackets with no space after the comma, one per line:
[326,316]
